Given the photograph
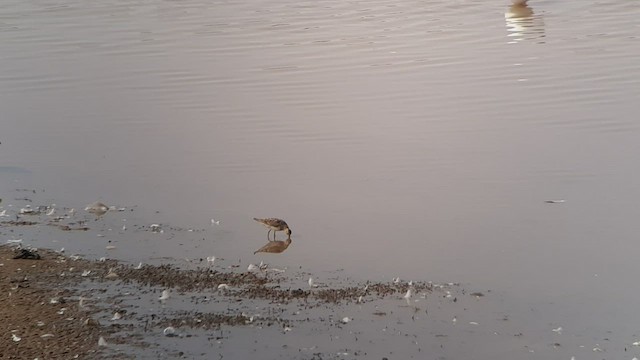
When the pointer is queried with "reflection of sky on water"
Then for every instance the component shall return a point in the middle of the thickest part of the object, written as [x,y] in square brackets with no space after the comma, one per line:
[524,24]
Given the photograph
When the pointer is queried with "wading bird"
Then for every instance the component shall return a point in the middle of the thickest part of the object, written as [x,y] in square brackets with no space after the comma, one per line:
[274,225]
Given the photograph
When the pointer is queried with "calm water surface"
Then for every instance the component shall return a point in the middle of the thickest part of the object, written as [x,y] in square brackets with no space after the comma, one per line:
[417,139]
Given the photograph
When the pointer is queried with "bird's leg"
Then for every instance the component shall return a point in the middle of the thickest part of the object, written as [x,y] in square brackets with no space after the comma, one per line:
[274,235]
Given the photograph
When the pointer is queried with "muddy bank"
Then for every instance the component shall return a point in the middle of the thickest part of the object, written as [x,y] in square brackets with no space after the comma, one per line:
[59,306]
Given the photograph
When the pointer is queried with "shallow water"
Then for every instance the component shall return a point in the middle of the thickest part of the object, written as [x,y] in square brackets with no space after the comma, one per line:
[415,139]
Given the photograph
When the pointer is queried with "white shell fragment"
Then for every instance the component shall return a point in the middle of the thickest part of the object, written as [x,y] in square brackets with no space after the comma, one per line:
[345,320]
[557,330]
[223,287]
[116,316]
[408,294]
[165,295]
[102,342]
[138,267]
[252,267]
[111,274]
[169,331]
[15,337]
[97,208]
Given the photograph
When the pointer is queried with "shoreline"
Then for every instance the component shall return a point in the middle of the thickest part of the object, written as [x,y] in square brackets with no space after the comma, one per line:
[59,305]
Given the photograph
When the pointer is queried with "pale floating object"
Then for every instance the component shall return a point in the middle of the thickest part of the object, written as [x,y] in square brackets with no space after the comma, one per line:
[214,222]
[51,212]
[312,283]
[40,323]
[110,247]
[61,250]
[124,227]
[211,260]
[346,320]
[86,273]
[252,267]
[3,213]
[116,316]
[287,329]
[555,201]
[169,331]
[102,259]
[15,337]
[61,311]
[408,294]
[165,295]
[558,330]
[637,343]
[455,319]
[111,274]
[102,342]
[14,241]
[27,210]
[473,323]
[54,301]
[138,267]
[97,208]
[46,336]
[597,349]
[223,287]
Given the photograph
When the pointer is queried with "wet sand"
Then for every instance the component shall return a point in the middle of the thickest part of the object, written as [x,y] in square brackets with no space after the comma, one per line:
[56,304]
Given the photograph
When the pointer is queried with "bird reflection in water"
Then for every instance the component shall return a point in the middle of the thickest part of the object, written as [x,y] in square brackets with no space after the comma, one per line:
[523,23]
[274,247]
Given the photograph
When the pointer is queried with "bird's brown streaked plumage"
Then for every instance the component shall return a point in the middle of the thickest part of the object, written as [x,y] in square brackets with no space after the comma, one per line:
[275,247]
[274,224]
